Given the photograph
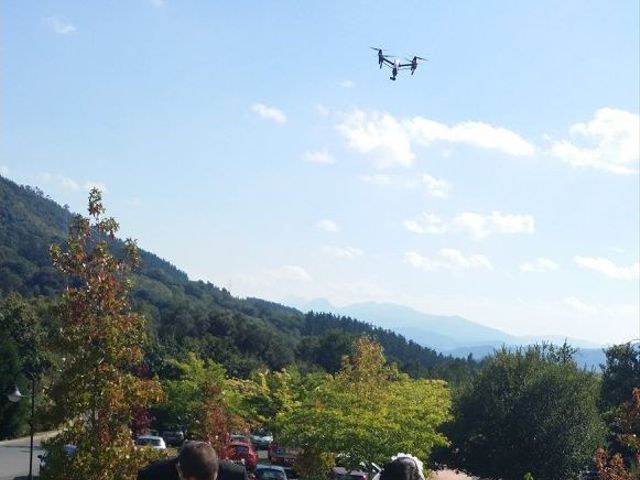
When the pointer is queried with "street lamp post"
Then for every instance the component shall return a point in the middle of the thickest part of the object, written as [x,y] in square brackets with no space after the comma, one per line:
[16,396]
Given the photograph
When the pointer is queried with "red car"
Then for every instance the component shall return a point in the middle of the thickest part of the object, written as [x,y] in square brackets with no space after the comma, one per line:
[244,453]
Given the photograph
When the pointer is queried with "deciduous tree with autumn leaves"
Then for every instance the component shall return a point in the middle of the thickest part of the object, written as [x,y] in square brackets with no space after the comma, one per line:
[100,342]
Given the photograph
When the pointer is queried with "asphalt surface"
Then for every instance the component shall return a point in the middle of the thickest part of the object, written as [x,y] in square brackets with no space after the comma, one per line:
[14,457]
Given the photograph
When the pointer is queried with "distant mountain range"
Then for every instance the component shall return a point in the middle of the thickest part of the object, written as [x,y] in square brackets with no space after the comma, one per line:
[451,335]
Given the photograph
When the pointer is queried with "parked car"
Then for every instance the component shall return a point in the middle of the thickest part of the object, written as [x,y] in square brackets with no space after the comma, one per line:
[174,437]
[280,455]
[261,440]
[239,437]
[270,472]
[291,473]
[155,442]
[341,473]
[244,453]
[69,450]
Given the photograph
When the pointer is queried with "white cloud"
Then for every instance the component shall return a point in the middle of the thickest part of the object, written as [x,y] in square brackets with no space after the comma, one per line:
[608,268]
[426,223]
[321,157]
[624,310]
[328,226]
[448,259]
[436,187]
[389,140]
[379,135]
[539,265]
[4,170]
[348,253]
[69,183]
[347,84]
[474,134]
[60,26]
[476,225]
[609,142]
[269,113]
[292,273]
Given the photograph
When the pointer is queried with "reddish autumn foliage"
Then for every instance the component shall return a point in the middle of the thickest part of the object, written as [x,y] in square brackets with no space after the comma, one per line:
[99,393]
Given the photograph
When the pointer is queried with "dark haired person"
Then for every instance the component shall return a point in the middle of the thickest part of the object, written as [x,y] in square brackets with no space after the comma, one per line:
[403,467]
[196,461]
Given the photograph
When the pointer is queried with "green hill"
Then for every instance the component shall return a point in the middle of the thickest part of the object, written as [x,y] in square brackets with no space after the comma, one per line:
[186,315]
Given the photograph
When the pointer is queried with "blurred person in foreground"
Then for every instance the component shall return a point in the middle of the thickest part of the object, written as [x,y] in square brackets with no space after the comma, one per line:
[403,467]
[195,461]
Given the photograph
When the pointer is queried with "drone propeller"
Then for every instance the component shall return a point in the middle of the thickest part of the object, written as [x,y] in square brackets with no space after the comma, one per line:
[378,49]
[417,58]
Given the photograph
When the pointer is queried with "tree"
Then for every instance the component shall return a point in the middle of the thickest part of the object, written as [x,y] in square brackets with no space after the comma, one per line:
[623,459]
[23,355]
[528,411]
[100,341]
[366,412]
[620,374]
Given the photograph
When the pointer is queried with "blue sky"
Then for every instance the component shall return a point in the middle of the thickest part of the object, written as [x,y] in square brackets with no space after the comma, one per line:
[257,145]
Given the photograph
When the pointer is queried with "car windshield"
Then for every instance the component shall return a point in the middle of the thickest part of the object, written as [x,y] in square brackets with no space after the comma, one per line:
[240,449]
[270,474]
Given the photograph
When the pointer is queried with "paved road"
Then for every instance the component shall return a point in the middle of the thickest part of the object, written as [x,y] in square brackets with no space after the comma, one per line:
[14,457]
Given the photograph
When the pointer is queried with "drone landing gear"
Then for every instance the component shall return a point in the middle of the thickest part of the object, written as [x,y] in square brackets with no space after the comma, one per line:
[392,78]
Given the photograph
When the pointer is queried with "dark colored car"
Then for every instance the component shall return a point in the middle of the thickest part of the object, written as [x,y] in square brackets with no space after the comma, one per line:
[270,472]
[244,453]
[291,473]
[341,473]
[174,437]
[282,455]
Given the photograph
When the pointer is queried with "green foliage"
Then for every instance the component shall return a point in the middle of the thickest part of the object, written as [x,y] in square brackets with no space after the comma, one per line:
[528,411]
[620,374]
[23,355]
[367,412]
[244,335]
[185,393]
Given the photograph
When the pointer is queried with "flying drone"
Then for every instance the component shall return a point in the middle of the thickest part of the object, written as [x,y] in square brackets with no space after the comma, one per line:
[394,63]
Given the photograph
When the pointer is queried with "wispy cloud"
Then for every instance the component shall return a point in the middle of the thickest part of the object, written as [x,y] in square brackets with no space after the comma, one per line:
[539,265]
[347,84]
[321,157]
[269,113]
[599,309]
[448,259]
[328,226]
[389,141]
[158,3]
[60,26]
[476,225]
[434,187]
[608,268]
[347,253]
[69,183]
[322,110]
[610,142]
[4,170]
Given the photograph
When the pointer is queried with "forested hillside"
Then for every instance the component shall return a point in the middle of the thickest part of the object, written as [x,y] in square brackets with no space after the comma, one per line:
[185,315]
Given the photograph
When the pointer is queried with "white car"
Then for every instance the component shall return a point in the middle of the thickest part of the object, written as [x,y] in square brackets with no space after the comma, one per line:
[157,443]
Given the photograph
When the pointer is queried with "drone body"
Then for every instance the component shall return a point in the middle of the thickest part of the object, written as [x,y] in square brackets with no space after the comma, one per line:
[394,63]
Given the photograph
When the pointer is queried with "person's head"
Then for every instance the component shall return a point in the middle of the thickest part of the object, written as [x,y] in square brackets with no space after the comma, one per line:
[403,467]
[197,461]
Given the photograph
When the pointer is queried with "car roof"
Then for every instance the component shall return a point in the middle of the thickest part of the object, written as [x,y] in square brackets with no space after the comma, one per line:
[149,437]
[238,443]
[264,466]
